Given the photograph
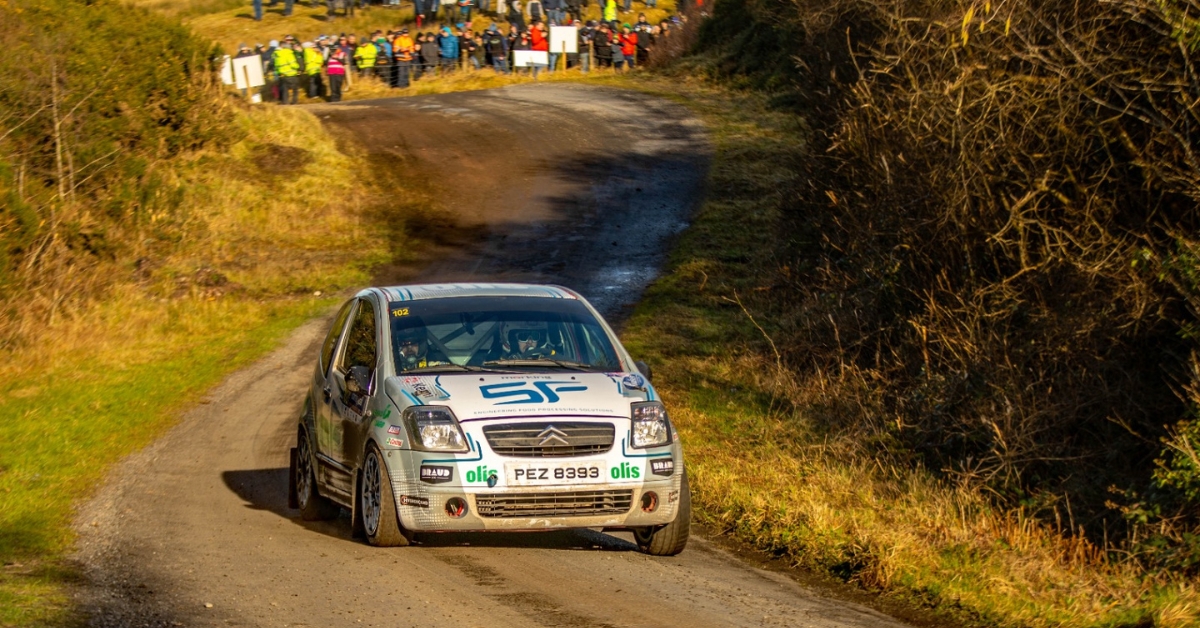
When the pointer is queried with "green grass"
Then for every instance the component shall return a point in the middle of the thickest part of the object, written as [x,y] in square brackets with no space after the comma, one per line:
[260,254]
[66,427]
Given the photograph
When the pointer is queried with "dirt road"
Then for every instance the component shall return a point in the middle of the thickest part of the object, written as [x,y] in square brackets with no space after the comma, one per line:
[579,186]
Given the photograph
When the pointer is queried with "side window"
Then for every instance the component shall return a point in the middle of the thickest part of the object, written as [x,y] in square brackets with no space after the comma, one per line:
[360,344]
[331,340]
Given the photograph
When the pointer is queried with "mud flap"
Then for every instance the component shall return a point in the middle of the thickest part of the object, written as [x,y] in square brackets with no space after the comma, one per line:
[357,529]
[293,494]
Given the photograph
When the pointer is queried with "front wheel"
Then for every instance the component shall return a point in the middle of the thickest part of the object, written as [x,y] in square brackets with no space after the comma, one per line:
[378,503]
[670,539]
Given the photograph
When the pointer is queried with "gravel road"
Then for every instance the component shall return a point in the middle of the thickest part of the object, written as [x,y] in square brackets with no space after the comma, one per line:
[564,183]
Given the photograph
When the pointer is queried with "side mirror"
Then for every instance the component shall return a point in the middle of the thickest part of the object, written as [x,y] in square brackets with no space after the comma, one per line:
[358,380]
[645,370]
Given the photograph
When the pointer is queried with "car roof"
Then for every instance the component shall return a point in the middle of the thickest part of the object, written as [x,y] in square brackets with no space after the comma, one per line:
[445,290]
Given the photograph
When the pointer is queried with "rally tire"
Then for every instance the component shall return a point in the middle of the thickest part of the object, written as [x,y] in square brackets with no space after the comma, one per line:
[377,503]
[312,506]
[670,539]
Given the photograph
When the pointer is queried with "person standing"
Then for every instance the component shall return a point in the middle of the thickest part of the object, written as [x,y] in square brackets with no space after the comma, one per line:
[602,46]
[364,58]
[419,11]
[257,10]
[516,19]
[335,68]
[383,60]
[497,48]
[447,49]
[628,41]
[538,42]
[312,68]
[644,31]
[287,69]
[405,50]
[610,11]
[586,32]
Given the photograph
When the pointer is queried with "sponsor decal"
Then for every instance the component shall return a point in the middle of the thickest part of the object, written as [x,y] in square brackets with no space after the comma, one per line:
[421,389]
[395,442]
[380,423]
[529,392]
[393,429]
[387,412]
[634,381]
[625,472]
[412,500]
[436,474]
[662,467]
[672,497]
[482,473]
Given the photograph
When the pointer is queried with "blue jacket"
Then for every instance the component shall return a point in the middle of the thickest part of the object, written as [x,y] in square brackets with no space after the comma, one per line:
[448,45]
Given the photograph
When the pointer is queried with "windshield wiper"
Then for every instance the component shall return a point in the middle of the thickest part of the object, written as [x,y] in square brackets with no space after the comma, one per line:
[576,366]
[465,368]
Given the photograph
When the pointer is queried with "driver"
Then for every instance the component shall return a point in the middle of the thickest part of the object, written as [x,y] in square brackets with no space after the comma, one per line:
[526,340]
[413,350]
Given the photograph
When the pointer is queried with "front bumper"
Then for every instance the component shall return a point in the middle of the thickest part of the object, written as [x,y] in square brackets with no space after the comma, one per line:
[421,507]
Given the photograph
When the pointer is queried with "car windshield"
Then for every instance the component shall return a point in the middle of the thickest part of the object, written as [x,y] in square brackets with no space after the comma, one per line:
[517,334]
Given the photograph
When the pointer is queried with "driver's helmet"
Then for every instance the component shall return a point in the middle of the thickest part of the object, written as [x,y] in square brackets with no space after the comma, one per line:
[411,346]
[527,338]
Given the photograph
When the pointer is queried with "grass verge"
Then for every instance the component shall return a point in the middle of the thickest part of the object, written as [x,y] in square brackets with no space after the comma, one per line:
[764,470]
[274,226]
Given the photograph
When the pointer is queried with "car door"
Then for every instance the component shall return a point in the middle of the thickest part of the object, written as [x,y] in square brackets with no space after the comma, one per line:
[322,398]
[349,406]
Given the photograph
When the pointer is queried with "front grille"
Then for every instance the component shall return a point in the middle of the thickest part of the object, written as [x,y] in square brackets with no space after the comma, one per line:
[549,439]
[578,503]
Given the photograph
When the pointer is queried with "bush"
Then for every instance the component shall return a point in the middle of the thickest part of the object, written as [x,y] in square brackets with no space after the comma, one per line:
[96,98]
[998,232]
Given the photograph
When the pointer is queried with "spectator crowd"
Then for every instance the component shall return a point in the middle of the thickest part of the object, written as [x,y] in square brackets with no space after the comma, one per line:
[325,66]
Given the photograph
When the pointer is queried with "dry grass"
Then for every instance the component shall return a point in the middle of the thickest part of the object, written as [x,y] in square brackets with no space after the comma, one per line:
[774,455]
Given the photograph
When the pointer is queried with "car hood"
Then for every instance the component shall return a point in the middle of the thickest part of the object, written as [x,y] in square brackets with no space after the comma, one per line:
[487,396]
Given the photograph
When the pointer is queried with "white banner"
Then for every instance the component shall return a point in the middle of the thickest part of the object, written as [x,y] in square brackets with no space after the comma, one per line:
[226,71]
[248,72]
[564,39]
[530,58]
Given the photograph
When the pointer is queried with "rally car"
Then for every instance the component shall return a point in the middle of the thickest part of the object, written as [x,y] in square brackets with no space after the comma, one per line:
[485,407]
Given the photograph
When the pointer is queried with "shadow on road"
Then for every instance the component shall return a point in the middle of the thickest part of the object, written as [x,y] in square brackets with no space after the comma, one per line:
[266,489]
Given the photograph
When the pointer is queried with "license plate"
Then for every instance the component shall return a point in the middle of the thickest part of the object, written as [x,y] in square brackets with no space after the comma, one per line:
[537,473]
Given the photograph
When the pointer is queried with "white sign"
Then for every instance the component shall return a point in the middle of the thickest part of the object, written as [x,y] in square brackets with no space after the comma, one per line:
[248,72]
[226,71]
[564,39]
[530,58]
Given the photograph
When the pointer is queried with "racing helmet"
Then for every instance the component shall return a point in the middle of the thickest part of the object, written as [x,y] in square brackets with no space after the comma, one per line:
[517,332]
[411,345]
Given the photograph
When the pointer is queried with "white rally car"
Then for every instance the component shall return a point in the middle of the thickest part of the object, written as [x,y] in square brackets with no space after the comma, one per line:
[477,407]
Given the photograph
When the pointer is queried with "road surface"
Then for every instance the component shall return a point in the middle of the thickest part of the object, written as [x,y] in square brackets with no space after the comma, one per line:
[580,186]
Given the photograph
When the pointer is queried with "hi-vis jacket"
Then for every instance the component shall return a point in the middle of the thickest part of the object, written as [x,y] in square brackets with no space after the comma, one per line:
[286,63]
[364,55]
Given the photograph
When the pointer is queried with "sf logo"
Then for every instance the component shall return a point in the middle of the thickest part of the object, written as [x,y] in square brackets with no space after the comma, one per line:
[529,392]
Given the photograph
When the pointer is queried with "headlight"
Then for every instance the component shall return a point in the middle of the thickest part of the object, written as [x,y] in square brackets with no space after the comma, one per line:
[651,428]
[434,428]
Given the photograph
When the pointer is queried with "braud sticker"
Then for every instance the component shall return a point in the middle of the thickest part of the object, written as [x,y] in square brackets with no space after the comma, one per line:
[395,442]
[662,467]
[436,475]
[394,429]
[412,500]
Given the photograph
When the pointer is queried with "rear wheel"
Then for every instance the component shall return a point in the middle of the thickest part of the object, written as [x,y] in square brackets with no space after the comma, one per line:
[670,539]
[312,506]
[378,503]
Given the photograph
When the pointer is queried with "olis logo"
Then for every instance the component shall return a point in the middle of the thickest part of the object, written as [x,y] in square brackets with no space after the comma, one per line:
[529,392]
[625,472]
[482,473]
